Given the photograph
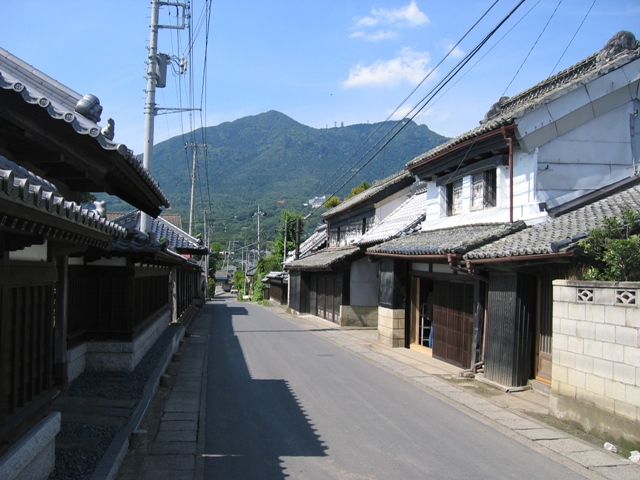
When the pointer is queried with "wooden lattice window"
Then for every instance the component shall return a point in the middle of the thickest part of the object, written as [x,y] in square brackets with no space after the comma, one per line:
[483,190]
[454,198]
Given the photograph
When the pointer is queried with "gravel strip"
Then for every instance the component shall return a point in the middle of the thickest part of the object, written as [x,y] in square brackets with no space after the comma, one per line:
[79,464]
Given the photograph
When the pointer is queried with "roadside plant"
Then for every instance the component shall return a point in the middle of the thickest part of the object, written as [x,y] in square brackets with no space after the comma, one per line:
[615,249]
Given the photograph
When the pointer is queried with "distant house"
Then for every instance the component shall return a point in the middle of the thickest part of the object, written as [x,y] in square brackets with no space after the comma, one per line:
[79,291]
[276,287]
[534,156]
[338,282]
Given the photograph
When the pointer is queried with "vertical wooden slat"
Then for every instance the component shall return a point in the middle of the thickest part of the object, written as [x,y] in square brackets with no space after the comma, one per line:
[30,337]
[18,382]
[5,347]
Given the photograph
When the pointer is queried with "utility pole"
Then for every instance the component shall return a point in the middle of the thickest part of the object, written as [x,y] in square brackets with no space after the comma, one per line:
[206,258]
[154,71]
[259,214]
[193,179]
[284,253]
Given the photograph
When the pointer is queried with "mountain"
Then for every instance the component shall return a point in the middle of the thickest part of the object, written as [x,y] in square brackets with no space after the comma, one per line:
[273,161]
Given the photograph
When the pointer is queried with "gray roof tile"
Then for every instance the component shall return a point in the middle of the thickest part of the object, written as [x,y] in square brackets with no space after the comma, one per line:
[20,186]
[324,259]
[177,239]
[457,240]
[403,218]
[537,239]
[376,187]
[60,102]
[316,240]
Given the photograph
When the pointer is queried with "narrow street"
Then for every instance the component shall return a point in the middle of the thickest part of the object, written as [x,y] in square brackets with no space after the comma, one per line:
[283,402]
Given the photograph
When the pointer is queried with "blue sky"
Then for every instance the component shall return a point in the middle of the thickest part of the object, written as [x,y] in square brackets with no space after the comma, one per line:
[323,63]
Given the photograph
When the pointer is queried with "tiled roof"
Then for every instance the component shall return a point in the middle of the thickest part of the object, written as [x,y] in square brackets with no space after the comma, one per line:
[376,187]
[316,240]
[456,240]
[37,88]
[507,109]
[282,277]
[324,259]
[537,239]
[173,218]
[137,242]
[176,239]
[24,188]
[402,219]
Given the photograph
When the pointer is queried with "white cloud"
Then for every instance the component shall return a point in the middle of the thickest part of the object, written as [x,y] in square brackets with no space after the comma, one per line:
[403,112]
[376,36]
[447,45]
[408,15]
[409,66]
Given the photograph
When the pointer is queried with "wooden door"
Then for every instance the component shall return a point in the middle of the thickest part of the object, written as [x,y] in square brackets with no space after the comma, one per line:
[453,322]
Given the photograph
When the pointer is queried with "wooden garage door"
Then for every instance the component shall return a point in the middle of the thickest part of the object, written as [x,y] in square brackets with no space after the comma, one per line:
[453,322]
[329,297]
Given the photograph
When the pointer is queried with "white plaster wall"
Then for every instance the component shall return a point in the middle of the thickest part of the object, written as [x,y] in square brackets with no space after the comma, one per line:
[389,204]
[525,201]
[109,262]
[364,281]
[34,253]
[589,157]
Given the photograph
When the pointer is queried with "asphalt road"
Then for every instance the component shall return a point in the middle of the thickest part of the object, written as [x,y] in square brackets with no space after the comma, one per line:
[283,402]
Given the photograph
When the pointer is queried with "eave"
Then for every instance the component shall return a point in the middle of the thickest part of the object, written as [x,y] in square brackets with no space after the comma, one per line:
[466,152]
[77,161]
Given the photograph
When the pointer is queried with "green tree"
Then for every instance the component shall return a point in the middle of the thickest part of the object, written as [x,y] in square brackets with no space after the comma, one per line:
[239,282]
[615,248]
[216,257]
[273,263]
[364,185]
[287,229]
[332,201]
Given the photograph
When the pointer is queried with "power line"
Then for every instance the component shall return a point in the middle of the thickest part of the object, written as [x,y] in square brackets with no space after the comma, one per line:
[532,47]
[451,50]
[573,38]
[427,98]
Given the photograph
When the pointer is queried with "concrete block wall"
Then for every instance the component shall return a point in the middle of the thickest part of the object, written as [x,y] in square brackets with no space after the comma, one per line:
[391,327]
[596,356]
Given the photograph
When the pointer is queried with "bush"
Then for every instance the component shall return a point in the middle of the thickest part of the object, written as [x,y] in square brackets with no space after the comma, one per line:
[615,249]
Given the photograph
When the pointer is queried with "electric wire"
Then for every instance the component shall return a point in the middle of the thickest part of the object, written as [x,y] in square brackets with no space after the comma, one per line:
[451,50]
[573,38]
[533,46]
[426,99]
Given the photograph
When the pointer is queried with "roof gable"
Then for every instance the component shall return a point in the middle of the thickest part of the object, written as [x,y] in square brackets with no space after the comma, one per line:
[619,51]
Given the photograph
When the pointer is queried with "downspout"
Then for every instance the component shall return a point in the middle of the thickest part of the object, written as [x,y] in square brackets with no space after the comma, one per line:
[510,140]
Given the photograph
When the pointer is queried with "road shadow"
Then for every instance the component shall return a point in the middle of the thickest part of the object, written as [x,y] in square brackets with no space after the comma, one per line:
[251,423]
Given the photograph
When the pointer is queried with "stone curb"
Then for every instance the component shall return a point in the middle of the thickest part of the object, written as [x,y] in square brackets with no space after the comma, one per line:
[108,467]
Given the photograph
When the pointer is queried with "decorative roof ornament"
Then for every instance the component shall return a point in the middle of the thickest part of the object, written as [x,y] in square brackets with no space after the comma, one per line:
[89,107]
[109,130]
[619,44]
[100,208]
[494,110]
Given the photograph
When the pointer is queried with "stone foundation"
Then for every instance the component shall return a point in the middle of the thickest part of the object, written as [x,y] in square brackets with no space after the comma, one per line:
[391,327]
[114,356]
[351,316]
[33,456]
